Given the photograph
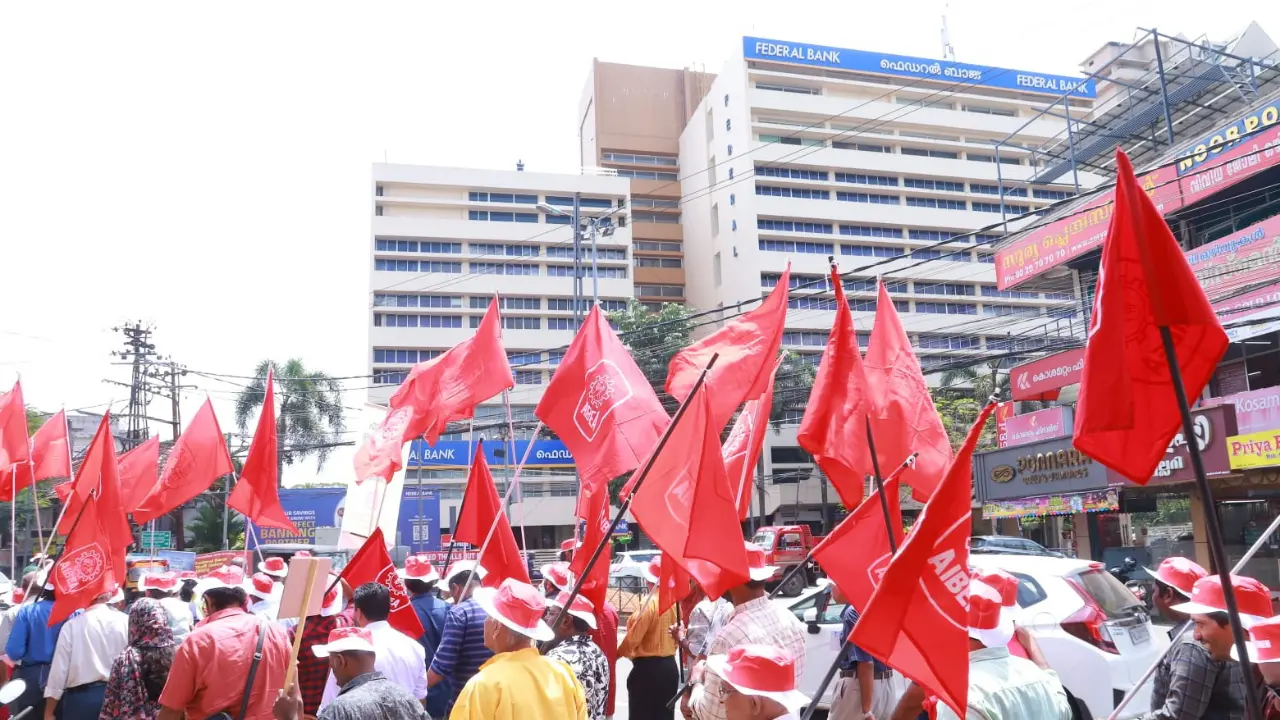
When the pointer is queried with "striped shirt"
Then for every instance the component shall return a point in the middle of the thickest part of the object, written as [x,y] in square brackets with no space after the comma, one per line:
[462,650]
[755,622]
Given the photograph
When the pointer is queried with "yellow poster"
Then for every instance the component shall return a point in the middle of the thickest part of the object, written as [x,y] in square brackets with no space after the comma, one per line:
[1260,449]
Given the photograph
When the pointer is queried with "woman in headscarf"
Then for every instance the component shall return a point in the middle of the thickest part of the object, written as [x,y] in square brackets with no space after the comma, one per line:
[139,674]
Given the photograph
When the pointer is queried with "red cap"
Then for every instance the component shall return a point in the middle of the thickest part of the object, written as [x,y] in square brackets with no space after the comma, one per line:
[274,567]
[188,575]
[558,574]
[762,670]
[758,563]
[346,639]
[569,544]
[261,585]
[1264,643]
[518,606]
[163,581]
[1001,581]
[1253,599]
[985,605]
[1179,573]
[417,567]
[581,607]
[653,571]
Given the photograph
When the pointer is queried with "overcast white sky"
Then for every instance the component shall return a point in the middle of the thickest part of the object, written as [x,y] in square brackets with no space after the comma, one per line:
[205,166]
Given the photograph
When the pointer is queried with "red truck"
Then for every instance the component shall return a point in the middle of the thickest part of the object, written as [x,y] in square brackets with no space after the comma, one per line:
[786,546]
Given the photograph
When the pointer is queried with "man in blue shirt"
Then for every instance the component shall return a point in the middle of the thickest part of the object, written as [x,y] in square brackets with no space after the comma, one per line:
[866,688]
[420,580]
[31,644]
[461,651]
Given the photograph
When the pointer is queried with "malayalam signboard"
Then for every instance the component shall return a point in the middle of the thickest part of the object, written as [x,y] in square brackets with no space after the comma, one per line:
[1255,450]
[1036,426]
[1223,158]
[1213,425]
[1246,258]
[1043,378]
[206,563]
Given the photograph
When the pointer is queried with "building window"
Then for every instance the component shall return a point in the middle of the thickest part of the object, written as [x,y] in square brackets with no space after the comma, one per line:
[1002,112]
[646,175]
[954,289]
[809,248]
[871,251]
[485,248]
[377,210]
[1007,310]
[922,184]
[797,89]
[993,291]
[631,159]
[554,357]
[665,218]
[872,198]
[804,193]
[804,338]
[726,99]
[658,246]
[733,199]
[862,147]
[939,203]
[403,357]
[946,308]
[494,216]
[528,377]
[934,254]
[640,202]
[730,176]
[953,342]
[817,303]
[413,321]
[728,124]
[921,152]
[980,157]
[931,235]
[729,150]
[861,179]
[870,231]
[671,291]
[791,173]
[794,226]
[1050,194]
[653,262]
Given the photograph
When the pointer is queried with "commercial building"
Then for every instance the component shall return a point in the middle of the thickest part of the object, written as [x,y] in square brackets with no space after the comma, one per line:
[442,242]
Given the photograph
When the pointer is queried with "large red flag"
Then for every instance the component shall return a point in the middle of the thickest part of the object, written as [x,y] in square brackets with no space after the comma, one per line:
[138,471]
[481,508]
[449,387]
[197,459]
[382,453]
[14,446]
[99,479]
[594,507]
[748,348]
[745,443]
[917,620]
[601,405]
[255,495]
[1127,412]
[686,507]
[901,410]
[85,569]
[49,458]
[856,554]
[371,563]
[834,428]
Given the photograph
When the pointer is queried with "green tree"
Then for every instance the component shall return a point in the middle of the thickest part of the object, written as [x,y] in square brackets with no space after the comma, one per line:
[309,418]
[977,381]
[204,531]
[654,338]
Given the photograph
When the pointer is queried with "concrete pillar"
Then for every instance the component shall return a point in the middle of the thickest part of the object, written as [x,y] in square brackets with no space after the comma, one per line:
[1009,526]
[1200,531]
[1080,521]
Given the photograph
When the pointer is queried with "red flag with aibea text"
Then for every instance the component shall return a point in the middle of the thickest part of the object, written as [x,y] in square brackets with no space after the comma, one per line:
[917,619]
[601,406]
[481,510]
[139,470]
[448,388]
[99,478]
[834,427]
[748,348]
[256,495]
[372,564]
[197,459]
[901,411]
[1127,412]
[745,442]
[856,554]
[685,505]
[14,442]
[86,568]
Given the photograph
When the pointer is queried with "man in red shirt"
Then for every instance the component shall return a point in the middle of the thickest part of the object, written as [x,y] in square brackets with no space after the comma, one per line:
[211,668]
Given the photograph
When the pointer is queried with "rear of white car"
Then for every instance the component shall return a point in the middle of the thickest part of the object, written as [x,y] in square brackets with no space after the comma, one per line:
[1094,632]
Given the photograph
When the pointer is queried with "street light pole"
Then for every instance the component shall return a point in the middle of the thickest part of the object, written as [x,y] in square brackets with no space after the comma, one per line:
[595,270]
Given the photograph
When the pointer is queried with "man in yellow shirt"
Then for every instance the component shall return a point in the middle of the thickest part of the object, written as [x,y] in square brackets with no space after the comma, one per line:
[517,676]
[654,676]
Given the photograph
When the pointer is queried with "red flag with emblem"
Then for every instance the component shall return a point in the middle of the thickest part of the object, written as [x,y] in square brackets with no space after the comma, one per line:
[99,478]
[745,442]
[685,505]
[371,563]
[601,406]
[255,495]
[901,410]
[834,427]
[85,569]
[14,448]
[595,514]
[748,349]
[481,509]
[856,554]
[197,459]
[448,388]
[917,620]
[1128,412]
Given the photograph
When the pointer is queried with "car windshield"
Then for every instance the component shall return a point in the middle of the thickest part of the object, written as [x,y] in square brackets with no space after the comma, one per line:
[763,539]
[977,542]
[1112,596]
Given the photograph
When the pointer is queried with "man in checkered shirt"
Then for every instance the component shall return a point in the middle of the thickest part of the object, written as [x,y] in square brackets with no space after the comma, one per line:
[754,620]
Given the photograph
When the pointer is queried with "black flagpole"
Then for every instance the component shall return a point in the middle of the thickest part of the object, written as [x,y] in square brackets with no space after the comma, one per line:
[626,504]
[1216,550]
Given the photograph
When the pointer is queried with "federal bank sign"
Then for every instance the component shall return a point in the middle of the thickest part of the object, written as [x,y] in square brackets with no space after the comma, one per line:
[457,454]
[906,66]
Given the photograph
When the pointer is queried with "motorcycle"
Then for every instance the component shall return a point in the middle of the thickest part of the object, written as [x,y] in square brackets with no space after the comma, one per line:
[1125,570]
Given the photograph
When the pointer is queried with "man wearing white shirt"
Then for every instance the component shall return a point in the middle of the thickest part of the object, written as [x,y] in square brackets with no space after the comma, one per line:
[400,658]
[164,588]
[82,661]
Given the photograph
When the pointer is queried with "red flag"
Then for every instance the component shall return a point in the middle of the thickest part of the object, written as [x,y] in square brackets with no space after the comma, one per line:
[601,405]
[917,620]
[595,511]
[85,570]
[371,563]
[901,409]
[748,348]
[382,453]
[197,459]
[745,441]
[14,448]
[834,428]
[49,458]
[1127,412]
[138,472]
[99,480]
[255,495]
[481,508]
[673,585]
[449,387]
[685,506]
[856,554]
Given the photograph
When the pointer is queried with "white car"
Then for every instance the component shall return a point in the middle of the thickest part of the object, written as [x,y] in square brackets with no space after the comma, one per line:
[627,569]
[1088,624]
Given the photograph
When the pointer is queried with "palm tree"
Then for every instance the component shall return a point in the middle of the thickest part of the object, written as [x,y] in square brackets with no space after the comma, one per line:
[205,530]
[981,381]
[309,418]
